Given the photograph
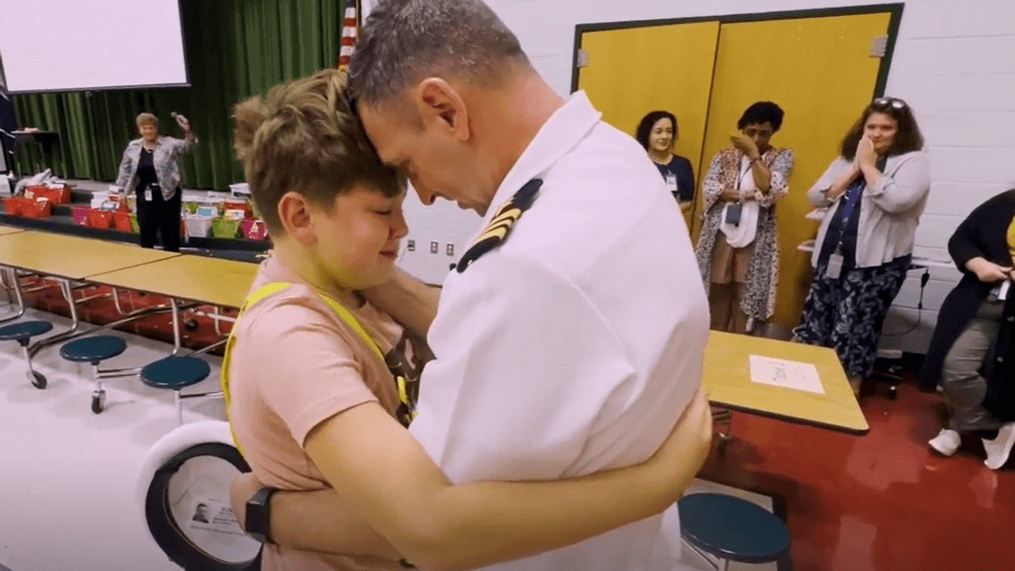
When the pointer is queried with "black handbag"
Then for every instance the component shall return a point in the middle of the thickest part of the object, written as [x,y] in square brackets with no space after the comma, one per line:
[733,212]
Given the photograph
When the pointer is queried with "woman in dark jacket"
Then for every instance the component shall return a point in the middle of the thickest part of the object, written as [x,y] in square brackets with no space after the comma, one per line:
[971,353]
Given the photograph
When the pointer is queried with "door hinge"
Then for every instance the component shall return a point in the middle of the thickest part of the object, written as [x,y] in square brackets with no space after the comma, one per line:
[879,46]
[583,58]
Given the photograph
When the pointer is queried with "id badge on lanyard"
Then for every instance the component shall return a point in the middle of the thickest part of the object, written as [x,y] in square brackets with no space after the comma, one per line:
[835,262]
[834,268]
[148,191]
[671,182]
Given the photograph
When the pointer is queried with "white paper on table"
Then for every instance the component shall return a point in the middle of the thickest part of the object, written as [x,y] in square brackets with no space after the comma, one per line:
[788,374]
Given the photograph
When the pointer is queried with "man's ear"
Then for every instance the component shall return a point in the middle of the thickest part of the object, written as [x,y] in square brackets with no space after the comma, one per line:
[437,101]
[294,212]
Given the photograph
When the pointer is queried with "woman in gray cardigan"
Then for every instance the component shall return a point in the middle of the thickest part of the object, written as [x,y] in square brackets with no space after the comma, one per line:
[151,167]
[874,193]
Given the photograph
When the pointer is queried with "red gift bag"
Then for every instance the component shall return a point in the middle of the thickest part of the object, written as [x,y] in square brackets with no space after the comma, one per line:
[254,229]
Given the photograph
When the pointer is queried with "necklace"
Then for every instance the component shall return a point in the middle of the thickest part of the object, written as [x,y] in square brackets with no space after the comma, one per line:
[660,158]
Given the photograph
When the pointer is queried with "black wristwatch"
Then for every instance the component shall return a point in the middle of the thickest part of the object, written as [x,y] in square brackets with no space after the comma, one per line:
[258,519]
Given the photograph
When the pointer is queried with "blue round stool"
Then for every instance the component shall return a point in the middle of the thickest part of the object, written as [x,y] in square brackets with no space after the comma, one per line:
[176,373]
[22,333]
[94,350]
[731,529]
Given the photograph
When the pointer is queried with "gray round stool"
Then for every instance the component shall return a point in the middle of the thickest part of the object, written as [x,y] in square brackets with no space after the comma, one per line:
[22,333]
[94,350]
[724,528]
[176,373]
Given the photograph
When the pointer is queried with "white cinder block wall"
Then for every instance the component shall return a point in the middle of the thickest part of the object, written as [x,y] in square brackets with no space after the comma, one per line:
[954,62]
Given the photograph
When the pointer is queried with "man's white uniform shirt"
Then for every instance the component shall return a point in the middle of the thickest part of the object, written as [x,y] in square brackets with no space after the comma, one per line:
[575,345]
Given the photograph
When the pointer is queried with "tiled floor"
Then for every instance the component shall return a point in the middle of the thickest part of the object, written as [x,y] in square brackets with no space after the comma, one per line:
[67,476]
[880,502]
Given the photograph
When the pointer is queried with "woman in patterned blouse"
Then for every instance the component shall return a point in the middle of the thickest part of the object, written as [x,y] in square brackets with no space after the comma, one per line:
[151,167]
[738,248]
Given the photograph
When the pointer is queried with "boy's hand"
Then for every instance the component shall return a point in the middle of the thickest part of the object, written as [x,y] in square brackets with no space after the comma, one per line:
[240,490]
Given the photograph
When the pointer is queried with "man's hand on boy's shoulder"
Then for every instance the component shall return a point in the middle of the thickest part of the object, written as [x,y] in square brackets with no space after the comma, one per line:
[407,299]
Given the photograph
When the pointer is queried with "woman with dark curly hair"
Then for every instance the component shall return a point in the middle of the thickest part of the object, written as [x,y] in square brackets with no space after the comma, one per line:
[738,248]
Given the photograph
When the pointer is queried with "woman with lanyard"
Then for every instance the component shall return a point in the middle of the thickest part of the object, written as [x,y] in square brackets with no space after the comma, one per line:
[151,167]
[971,352]
[738,249]
[657,134]
[878,187]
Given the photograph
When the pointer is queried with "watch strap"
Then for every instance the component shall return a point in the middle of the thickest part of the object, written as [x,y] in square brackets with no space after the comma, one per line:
[258,515]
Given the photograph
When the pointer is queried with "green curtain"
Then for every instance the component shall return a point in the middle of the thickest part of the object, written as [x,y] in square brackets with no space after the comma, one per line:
[234,49]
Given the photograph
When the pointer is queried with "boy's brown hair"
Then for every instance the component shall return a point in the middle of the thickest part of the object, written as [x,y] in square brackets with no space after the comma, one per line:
[304,137]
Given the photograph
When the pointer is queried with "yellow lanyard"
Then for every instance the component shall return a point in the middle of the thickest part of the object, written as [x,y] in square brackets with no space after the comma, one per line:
[1011,238]
[406,411]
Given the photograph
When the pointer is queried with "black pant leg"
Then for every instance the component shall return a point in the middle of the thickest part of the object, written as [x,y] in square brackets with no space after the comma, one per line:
[147,220]
[170,222]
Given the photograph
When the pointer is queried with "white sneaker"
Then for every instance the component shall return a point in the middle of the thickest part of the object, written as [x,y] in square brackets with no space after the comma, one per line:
[999,448]
[946,442]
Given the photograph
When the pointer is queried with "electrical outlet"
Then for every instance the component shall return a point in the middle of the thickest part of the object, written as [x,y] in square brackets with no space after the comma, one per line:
[451,249]
[434,247]
[411,246]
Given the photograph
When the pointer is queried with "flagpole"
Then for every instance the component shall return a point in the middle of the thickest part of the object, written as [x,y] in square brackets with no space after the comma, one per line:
[350,32]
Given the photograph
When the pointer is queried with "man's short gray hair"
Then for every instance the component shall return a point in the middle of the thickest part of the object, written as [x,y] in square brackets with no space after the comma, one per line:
[407,40]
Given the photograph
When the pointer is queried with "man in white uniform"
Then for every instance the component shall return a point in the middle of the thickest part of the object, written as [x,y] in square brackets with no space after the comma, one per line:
[559,336]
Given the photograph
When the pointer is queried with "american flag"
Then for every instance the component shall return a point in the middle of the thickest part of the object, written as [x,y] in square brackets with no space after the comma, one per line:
[350,26]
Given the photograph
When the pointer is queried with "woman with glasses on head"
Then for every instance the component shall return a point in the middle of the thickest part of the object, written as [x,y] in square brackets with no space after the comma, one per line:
[738,248]
[874,194]
[657,134]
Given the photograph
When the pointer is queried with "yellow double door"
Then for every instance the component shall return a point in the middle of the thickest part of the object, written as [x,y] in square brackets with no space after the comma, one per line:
[818,70]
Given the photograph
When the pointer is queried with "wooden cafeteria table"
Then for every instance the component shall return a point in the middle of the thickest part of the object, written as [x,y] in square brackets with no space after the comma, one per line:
[71,257]
[66,259]
[214,281]
[5,230]
[727,378]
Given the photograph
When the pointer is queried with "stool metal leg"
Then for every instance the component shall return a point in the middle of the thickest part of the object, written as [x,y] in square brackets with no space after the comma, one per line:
[37,379]
[180,398]
[75,321]
[176,325]
[17,294]
[722,419]
[716,563]
[99,395]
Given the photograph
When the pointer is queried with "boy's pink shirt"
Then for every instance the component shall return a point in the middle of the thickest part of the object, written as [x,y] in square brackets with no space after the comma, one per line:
[294,365]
